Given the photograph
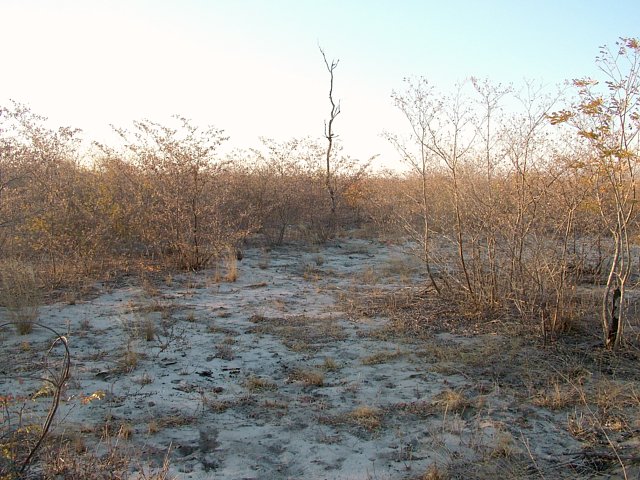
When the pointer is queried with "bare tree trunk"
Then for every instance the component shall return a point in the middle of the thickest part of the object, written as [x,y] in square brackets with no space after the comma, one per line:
[329,135]
[426,239]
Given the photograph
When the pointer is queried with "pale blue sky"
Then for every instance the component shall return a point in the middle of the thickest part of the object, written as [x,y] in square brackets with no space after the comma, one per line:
[253,67]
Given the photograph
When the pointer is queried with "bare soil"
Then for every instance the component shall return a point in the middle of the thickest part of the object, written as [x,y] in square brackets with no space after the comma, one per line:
[318,364]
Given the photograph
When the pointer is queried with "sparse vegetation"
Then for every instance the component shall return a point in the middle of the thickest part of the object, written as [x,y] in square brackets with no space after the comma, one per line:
[483,275]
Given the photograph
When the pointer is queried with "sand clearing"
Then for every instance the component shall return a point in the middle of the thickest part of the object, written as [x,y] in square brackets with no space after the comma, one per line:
[272,376]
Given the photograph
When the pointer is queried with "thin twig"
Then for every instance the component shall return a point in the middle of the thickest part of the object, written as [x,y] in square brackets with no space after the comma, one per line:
[58,384]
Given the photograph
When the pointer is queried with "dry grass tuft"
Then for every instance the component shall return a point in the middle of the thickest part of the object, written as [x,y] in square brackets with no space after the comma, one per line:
[257,384]
[451,401]
[129,360]
[218,406]
[174,421]
[231,266]
[66,462]
[144,379]
[300,333]
[556,397]
[400,267]
[153,427]
[111,459]
[330,365]
[369,276]
[505,445]
[612,394]
[381,357]
[434,473]
[309,378]
[275,405]
[265,260]
[225,352]
[148,329]
[311,273]
[149,287]
[366,417]
[20,294]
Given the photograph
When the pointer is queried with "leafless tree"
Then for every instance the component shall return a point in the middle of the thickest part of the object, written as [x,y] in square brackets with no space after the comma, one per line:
[330,136]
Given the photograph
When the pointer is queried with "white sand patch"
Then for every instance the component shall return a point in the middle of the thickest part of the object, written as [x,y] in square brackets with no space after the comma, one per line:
[216,372]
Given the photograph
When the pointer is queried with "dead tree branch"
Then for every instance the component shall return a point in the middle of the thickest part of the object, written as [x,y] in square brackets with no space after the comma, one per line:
[330,135]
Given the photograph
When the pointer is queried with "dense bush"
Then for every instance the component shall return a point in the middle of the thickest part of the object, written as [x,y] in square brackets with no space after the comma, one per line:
[513,197]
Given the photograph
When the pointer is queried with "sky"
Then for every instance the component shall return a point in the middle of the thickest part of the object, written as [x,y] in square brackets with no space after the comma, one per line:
[253,68]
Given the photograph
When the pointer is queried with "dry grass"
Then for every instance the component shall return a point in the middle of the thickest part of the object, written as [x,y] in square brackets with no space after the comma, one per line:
[330,365]
[173,421]
[256,384]
[309,378]
[218,329]
[139,321]
[610,395]
[128,360]
[231,266]
[20,294]
[265,259]
[224,351]
[66,462]
[434,473]
[218,406]
[149,329]
[153,427]
[556,397]
[369,418]
[382,357]
[113,458]
[451,401]
[149,287]
[401,267]
[311,273]
[144,379]
[369,276]
[300,333]
[505,445]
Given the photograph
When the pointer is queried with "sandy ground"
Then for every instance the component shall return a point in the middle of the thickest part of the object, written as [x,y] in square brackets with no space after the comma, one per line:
[269,377]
